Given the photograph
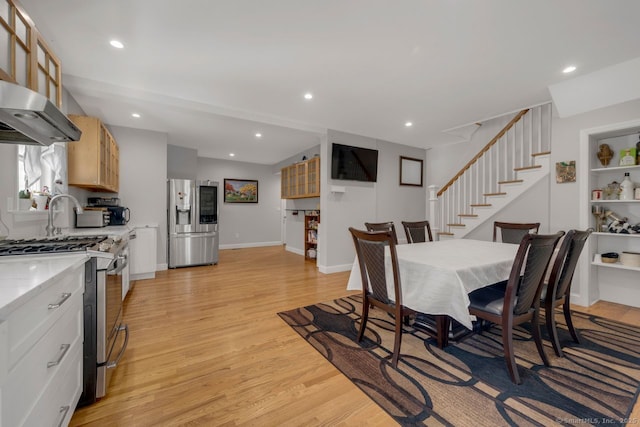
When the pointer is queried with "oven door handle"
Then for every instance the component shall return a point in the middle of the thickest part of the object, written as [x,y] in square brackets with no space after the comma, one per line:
[118,265]
[113,364]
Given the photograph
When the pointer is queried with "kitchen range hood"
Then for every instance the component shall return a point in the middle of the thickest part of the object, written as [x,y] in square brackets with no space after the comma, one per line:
[27,117]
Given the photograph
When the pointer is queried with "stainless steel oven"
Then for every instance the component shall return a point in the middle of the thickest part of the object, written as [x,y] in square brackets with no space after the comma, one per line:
[106,337]
[113,335]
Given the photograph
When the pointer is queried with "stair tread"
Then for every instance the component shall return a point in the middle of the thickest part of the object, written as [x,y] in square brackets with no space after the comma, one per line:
[456,225]
[481,205]
[513,181]
[445,233]
[468,215]
[495,194]
[524,168]
[542,153]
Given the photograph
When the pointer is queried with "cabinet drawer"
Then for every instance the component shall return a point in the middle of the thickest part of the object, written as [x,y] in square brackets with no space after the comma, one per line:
[31,321]
[4,352]
[42,365]
[57,403]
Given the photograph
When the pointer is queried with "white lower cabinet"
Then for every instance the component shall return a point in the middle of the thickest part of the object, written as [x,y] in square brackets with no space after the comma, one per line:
[42,382]
[143,253]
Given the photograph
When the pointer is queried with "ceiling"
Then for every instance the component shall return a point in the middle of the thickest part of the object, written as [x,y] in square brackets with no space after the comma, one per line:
[211,74]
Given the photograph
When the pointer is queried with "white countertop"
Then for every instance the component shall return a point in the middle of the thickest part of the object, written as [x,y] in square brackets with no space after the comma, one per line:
[111,230]
[21,277]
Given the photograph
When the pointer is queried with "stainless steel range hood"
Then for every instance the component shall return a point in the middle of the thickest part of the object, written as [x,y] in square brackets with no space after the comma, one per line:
[26,117]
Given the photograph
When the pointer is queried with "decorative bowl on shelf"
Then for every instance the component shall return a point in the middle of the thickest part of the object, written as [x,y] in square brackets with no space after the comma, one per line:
[610,257]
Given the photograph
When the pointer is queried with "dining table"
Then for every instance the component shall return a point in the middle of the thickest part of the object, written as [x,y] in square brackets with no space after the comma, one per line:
[436,277]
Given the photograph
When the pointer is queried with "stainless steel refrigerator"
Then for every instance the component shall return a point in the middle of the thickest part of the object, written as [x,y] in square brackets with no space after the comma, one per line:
[193,222]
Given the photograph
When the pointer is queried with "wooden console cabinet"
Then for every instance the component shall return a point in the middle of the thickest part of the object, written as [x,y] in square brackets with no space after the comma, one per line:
[94,161]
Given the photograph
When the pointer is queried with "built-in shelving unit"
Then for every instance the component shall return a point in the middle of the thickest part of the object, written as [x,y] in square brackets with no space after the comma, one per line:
[613,282]
[311,221]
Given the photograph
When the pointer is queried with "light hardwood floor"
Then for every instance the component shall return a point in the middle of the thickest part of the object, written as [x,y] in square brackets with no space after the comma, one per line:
[207,348]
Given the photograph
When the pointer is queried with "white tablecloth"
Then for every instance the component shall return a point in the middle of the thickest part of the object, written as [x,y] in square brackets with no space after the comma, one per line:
[437,276]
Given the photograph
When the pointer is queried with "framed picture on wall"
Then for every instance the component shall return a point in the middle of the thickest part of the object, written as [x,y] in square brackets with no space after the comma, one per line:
[410,171]
[240,190]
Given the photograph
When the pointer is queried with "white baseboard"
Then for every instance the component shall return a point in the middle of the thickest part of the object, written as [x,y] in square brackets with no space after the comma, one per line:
[328,269]
[294,250]
[143,276]
[249,245]
[162,267]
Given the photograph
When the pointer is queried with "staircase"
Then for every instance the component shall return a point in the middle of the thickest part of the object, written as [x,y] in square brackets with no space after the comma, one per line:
[510,164]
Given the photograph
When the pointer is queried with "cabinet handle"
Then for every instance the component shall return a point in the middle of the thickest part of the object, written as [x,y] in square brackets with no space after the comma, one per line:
[63,411]
[63,350]
[65,296]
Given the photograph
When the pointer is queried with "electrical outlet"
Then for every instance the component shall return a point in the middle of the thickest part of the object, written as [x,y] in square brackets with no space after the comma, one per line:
[237,235]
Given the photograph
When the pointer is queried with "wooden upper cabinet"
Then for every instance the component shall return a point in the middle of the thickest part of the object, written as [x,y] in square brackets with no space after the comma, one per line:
[301,180]
[313,177]
[94,161]
[49,75]
[25,58]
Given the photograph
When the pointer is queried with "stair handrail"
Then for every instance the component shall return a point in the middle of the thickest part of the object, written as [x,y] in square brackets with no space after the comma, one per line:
[483,151]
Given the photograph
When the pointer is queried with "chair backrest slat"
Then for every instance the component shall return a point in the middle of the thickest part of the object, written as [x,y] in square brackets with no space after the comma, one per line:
[372,254]
[513,232]
[565,263]
[417,231]
[370,250]
[534,253]
[383,226]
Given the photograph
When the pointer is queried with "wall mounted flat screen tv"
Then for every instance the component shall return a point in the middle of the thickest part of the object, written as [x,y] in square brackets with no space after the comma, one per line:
[354,163]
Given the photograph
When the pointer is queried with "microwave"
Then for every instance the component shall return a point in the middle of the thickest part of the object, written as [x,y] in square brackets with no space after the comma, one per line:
[92,218]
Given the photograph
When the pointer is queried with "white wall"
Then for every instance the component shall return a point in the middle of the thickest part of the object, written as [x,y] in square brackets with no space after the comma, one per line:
[143,181]
[445,161]
[246,224]
[384,200]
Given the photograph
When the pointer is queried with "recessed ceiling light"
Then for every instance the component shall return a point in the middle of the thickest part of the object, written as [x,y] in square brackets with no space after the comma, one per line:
[231,154]
[308,95]
[569,69]
[136,115]
[408,124]
[117,44]
[258,135]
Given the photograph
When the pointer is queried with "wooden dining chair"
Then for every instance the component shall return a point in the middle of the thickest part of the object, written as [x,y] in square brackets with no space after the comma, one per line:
[557,289]
[383,226]
[513,232]
[417,231]
[518,300]
[370,250]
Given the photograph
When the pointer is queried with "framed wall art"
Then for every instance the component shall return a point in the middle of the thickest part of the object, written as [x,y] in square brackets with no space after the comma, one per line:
[411,171]
[240,190]
[566,172]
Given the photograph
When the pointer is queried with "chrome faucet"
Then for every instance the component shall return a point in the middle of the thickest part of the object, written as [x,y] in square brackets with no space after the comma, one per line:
[50,228]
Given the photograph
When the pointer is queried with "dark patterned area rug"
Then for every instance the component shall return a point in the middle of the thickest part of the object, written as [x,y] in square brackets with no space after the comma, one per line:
[467,383]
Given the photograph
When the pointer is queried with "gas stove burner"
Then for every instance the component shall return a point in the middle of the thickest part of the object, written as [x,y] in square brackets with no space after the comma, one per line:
[54,245]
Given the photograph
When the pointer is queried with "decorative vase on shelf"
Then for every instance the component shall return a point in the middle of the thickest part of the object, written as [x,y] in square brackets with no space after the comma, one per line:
[626,188]
[605,154]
